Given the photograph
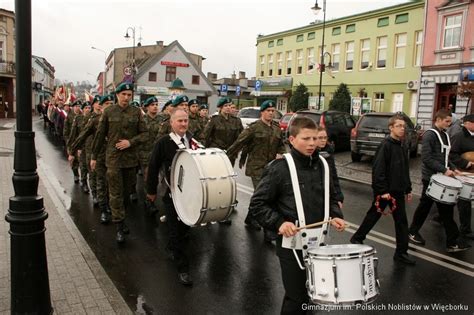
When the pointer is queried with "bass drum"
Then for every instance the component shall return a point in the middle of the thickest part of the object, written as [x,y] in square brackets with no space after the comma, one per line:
[203,185]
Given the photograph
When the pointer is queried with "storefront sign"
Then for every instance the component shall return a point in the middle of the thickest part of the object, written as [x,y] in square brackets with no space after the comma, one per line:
[174,64]
[467,74]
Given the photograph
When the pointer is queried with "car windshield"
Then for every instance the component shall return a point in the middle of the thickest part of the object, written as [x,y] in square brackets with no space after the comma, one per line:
[374,122]
[249,113]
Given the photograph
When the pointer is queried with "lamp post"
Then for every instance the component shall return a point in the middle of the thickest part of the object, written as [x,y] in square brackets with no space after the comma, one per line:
[105,67]
[133,52]
[26,214]
[316,10]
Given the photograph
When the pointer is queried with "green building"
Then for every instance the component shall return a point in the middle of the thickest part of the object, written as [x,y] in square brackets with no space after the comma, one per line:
[376,53]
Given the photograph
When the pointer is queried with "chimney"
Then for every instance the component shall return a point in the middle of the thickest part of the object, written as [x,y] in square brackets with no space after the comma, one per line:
[234,77]
[159,43]
[241,74]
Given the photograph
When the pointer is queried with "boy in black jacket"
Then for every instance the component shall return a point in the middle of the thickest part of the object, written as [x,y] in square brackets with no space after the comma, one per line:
[390,183]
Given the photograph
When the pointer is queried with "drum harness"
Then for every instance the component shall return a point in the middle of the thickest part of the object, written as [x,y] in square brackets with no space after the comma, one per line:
[302,241]
[445,148]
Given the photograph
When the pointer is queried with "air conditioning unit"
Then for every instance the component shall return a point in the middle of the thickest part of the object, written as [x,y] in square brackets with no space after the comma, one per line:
[413,85]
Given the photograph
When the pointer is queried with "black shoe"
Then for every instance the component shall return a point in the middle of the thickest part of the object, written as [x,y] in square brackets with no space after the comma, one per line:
[226,222]
[120,237]
[125,228]
[458,247]
[104,217]
[85,189]
[354,241]
[404,258]
[416,238]
[133,197]
[269,236]
[185,279]
[469,236]
[252,224]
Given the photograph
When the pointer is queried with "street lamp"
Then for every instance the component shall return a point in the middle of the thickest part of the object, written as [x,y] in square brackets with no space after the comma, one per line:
[133,52]
[105,67]
[316,10]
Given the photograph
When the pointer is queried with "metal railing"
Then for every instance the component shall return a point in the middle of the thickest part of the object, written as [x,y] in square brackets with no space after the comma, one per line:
[7,68]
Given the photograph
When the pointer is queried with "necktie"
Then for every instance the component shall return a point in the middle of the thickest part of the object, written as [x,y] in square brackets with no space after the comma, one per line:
[184,142]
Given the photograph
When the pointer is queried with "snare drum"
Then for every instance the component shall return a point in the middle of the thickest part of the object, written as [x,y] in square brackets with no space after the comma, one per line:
[467,189]
[342,274]
[444,189]
[203,185]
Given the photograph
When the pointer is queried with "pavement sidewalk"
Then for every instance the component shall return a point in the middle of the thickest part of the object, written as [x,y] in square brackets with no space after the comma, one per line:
[78,283]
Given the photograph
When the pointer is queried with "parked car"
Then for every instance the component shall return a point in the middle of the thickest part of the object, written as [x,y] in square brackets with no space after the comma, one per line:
[372,128]
[284,122]
[250,114]
[338,125]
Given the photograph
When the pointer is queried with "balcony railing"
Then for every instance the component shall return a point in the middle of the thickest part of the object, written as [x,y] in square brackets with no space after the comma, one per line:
[7,68]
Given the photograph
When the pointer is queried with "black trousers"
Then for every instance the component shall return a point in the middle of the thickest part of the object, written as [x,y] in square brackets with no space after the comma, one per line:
[177,235]
[465,211]
[445,213]
[399,218]
[294,281]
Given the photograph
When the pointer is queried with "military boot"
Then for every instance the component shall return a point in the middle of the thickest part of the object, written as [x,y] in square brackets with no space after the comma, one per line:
[85,187]
[120,237]
[104,214]
[76,175]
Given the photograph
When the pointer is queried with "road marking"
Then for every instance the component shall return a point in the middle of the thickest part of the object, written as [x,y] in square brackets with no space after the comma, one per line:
[378,238]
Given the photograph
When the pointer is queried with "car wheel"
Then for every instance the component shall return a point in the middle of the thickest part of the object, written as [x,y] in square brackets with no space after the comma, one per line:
[356,157]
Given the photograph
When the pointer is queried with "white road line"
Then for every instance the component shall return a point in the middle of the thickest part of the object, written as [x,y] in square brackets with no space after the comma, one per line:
[248,190]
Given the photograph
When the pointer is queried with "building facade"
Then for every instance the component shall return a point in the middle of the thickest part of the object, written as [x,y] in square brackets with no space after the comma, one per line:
[448,57]
[7,63]
[376,53]
[42,80]
[239,88]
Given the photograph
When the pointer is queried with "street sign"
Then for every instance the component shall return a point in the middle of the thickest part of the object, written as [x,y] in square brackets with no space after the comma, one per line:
[224,88]
[237,90]
[258,85]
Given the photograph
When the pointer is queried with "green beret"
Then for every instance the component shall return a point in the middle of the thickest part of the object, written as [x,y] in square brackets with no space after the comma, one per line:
[106,98]
[124,87]
[267,104]
[203,106]
[96,99]
[85,104]
[77,103]
[193,101]
[150,100]
[135,104]
[180,99]
[168,103]
[223,101]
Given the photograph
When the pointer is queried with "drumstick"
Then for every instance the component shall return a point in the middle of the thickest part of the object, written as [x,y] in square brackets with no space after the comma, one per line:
[467,173]
[312,225]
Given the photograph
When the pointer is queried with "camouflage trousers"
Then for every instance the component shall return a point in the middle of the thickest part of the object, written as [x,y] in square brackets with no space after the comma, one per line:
[92,174]
[83,167]
[120,181]
[144,159]
[101,182]
[75,167]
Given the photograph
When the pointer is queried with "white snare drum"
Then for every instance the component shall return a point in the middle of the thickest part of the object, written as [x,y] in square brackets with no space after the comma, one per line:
[467,190]
[342,274]
[202,185]
[444,189]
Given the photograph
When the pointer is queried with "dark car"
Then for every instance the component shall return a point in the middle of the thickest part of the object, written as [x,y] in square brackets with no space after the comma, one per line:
[372,128]
[338,125]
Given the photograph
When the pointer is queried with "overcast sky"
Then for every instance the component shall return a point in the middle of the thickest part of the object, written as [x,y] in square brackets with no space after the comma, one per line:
[224,32]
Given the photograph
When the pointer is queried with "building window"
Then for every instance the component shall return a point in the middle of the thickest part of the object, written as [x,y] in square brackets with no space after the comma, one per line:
[262,66]
[351,28]
[418,46]
[381,52]
[310,59]
[299,61]
[336,31]
[271,44]
[289,56]
[379,99]
[2,51]
[279,63]
[452,31]
[152,76]
[300,38]
[170,74]
[400,50]
[382,22]
[364,53]
[349,56]
[311,35]
[336,56]
[195,79]
[270,65]
[401,18]
[280,42]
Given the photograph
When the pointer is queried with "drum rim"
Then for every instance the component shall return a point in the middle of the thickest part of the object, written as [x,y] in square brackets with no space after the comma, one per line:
[352,303]
[344,256]
[444,185]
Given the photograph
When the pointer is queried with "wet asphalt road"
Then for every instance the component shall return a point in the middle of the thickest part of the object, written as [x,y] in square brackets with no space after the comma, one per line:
[235,272]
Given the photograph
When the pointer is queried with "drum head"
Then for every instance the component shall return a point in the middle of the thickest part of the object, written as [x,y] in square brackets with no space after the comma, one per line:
[341,250]
[186,187]
[446,181]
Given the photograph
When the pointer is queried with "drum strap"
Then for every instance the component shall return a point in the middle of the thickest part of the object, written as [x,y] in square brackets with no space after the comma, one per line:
[194,143]
[305,240]
[444,148]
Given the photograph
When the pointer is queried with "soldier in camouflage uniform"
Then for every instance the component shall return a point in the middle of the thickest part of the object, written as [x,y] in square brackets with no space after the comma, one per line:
[77,125]
[124,128]
[153,125]
[181,101]
[203,118]
[223,129]
[194,123]
[76,110]
[262,142]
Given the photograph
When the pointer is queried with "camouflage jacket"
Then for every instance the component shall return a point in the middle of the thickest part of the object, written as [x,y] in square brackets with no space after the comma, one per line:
[68,125]
[153,127]
[221,132]
[194,125]
[87,133]
[118,123]
[75,131]
[261,142]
